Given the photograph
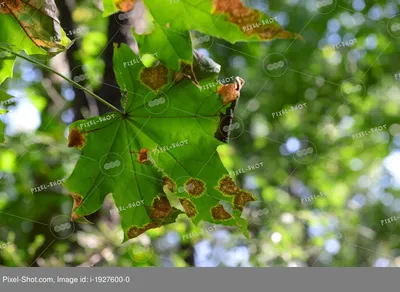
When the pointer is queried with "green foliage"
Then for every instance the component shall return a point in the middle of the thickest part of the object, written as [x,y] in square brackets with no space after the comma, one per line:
[229,20]
[161,141]
[143,130]
[168,34]
[30,27]
[356,175]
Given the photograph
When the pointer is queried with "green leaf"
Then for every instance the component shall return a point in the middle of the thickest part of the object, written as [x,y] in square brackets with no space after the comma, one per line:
[165,142]
[226,19]
[169,46]
[6,65]
[30,26]
[5,98]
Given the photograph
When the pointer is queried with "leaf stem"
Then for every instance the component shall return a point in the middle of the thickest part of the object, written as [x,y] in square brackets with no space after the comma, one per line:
[65,78]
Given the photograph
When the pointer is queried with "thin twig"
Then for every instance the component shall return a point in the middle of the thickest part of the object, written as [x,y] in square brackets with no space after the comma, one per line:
[64,77]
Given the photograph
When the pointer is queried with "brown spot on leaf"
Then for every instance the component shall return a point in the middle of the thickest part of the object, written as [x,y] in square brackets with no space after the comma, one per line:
[237,12]
[77,202]
[135,231]
[230,92]
[161,208]
[76,138]
[219,213]
[7,6]
[4,9]
[154,77]
[190,209]
[142,156]
[125,5]
[169,183]
[195,187]
[249,20]
[227,6]
[242,199]
[227,186]
[268,33]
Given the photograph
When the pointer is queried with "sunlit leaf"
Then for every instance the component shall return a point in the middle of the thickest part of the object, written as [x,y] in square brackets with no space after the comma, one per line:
[164,143]
[30,26]
[229,20]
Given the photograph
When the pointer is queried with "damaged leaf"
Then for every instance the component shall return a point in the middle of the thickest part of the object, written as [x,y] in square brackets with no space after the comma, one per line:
[31,26]
[226,19]
[164,142]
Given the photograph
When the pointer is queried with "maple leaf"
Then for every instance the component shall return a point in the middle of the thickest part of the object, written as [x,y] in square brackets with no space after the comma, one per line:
[163,144]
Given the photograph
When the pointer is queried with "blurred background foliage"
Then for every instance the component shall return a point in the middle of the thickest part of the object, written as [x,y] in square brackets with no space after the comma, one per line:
[323,209]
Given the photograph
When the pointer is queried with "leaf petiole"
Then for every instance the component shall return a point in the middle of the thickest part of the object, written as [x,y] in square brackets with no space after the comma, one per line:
[64,77]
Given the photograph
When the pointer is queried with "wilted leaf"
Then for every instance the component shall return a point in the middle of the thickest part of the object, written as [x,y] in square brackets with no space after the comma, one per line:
[31,26]
[164,143]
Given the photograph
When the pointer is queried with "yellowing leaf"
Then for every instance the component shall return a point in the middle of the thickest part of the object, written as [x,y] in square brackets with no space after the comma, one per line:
[31,26]
[229,20]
